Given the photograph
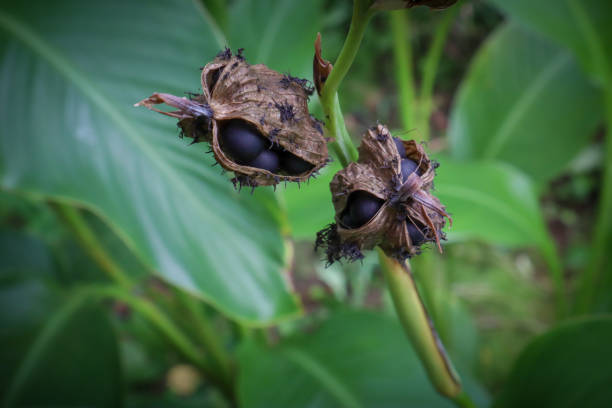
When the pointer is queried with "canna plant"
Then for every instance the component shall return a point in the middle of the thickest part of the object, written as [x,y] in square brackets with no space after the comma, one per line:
[185,289]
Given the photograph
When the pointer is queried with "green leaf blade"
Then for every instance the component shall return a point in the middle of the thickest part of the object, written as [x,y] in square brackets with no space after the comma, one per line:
[524,97]
[327,368]
[489,201]
[74,135]
[568,366]
[582,26]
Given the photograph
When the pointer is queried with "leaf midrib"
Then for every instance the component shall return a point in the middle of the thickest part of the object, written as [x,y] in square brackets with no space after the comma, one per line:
[321,374]
[23,33]
[28,37]
[522,104]
[272,27]
[43,339]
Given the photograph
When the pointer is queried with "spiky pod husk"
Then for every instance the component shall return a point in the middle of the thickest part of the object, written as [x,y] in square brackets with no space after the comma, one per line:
[378,172]
[275,104]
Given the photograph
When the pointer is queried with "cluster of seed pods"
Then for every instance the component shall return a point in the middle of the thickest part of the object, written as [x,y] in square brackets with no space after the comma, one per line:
[256,121]
[384,199]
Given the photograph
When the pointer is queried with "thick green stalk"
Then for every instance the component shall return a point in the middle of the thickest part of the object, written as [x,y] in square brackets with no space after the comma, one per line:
[75,221]
[342,144]
[403,67]
[408,304]
[419,327]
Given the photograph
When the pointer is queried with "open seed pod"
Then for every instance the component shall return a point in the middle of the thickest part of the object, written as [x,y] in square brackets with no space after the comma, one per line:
[255,119]
[384,199]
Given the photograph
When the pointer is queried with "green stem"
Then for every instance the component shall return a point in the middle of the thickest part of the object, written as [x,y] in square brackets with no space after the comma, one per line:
[75,221]
[402,58]
[430,69]
[157,318]
[551,257]
[419,327]
[408,304]
[207,335]
[463,400]
[167,328]
[602,239]
[50,329]
[342,145]
[147,309]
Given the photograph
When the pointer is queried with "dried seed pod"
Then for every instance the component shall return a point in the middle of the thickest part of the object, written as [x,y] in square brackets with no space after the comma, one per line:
[408,215]
[255,119]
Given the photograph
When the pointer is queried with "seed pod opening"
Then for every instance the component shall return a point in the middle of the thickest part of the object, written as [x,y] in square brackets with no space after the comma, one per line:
[255,119]
[384,199]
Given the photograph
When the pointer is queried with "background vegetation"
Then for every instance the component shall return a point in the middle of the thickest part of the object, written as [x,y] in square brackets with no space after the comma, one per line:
[132,274]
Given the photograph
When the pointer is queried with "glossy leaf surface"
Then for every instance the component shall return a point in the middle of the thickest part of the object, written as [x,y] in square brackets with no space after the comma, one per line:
[70,73]
[526,102]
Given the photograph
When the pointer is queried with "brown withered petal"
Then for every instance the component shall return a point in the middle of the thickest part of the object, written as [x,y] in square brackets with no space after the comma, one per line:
[402,4]
[321,68]
[378,172]
[273,103]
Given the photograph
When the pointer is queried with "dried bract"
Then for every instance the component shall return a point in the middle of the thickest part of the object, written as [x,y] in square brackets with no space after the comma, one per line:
[255,119]
[321,68]
[384,199]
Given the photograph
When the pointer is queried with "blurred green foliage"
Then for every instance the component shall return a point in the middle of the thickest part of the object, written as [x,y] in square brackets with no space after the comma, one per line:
[519,119]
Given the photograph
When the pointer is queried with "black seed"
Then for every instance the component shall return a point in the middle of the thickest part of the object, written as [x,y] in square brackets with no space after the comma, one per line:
[346,220]
[416,235]
[400,147]
[242,141]
[408,166]
[267,160]
[362,207]
[293,164]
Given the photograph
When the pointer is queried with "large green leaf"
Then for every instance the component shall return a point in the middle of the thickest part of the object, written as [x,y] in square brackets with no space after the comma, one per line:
[279,32]
[490,201]
[582,25]
[70,74]
[526,102]
[569,366]
[55,350]
[355,359]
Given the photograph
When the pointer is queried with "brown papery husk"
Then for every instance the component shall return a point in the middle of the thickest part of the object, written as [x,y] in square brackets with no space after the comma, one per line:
[378,172]
[275,104]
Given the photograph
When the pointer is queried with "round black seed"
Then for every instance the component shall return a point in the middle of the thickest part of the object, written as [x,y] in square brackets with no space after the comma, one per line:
[346,220]
[416,235]
[293,164]
[400,147]
[242,141]
[362,207]
[408,166]
[267,160]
